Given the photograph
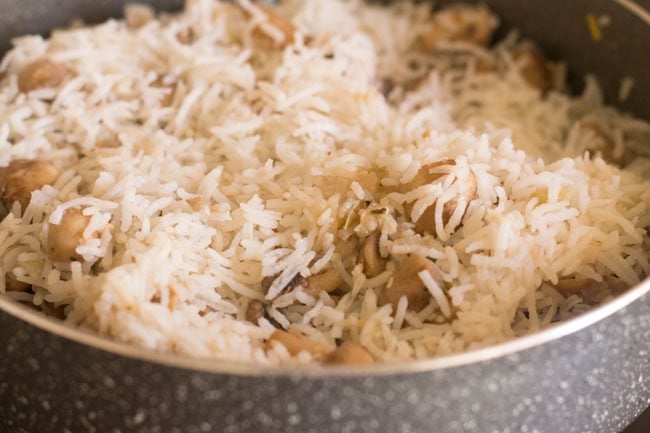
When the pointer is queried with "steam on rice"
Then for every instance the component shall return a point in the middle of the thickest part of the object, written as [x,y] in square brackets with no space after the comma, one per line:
[211,151]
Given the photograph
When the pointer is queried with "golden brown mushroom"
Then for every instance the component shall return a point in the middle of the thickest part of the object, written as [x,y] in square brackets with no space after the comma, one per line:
[602,142]
[349,353]
[326,281]
[168,98]
[591,291]
[53,310]
[137,15]
[426,222]
[64,238]
[13,284]
[533,66]
[295,343]
[295,282]
[255,311]
[406,282]
[470,24]
[22,177]
[373,264]
[40,74]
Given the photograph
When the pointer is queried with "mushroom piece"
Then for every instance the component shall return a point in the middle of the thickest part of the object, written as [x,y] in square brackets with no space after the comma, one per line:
[469,24]
[64,238]
[40,74]
[533,66]
[255,311]
[591,291]
[268,281]
[296,343]
[22,177]
[285,27]
[53,310]
[467,192]
[137,15]
[349,353]
[168,97]
[406,282]
[486,65]
[326,281]
[600,141]
[13,284]
[373,264]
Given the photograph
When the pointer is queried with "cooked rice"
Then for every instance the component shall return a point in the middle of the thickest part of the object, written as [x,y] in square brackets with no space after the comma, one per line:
[293,151]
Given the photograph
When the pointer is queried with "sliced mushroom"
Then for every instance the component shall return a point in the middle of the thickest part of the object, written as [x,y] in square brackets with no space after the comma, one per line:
[296,343]
[385,86]
[22,177]
[469,24]
[168,98]
[426,223]
[602,142]
[326,281]
[285,27]
[406,282]
[485,65]
[533,66]
[13,284]
[295,282]
[349,353]
[185,36]
[40,74]
[591,291]
[373,264]
[137,15]
[52,310]
[255,311]
[64,238]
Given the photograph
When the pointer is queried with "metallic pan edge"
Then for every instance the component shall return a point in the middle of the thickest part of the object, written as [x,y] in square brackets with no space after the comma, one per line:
[245,369]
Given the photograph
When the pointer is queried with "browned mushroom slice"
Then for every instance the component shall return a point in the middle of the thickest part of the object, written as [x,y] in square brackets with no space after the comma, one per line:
[255,311]
[168,98]
[52,310]
[469,24]
[533,66]
[13,284]
[137,15]
[406,282]
[295,343]
[326,281]
[426,222]
[349,353]
[591,291]
[295,282]
[602,142]
[485,65]
[22,177]
[373,264]
[41,73]
[64,238]
[285,27]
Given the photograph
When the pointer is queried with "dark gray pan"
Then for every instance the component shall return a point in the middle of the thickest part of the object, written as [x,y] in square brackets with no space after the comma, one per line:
[591,374]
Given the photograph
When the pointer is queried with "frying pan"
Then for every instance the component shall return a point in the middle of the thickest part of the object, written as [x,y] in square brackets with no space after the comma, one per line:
[589,374]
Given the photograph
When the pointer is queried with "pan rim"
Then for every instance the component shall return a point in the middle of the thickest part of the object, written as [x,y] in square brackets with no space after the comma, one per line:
[212,366]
